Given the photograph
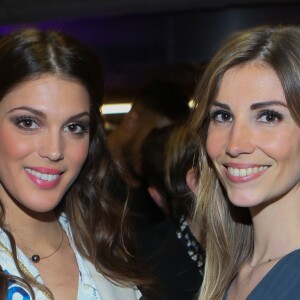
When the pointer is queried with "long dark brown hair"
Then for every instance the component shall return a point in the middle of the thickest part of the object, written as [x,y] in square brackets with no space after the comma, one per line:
[94,204]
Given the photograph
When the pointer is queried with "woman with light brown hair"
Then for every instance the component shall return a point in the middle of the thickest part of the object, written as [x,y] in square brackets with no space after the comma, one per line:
[248,117]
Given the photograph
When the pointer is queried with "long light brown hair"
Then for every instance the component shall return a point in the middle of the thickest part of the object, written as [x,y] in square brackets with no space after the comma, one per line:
[229,228]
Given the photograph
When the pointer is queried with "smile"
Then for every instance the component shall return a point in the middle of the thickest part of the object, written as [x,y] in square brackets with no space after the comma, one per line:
[246,172]
[43,176]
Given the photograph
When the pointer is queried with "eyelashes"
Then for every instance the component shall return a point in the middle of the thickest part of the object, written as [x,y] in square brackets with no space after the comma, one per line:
[268,117]
[30,124]
[26,123]
[220,116]
[77,128]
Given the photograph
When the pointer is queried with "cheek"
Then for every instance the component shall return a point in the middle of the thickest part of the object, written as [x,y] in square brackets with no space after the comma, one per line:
[78,156]
[13,147]
[282,147]
[214,143]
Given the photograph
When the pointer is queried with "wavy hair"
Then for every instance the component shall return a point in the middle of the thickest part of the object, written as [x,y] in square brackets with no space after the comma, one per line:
[180,156]
[229,228]
[94,203]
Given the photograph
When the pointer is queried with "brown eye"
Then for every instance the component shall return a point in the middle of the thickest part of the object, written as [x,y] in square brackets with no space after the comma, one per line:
[27,123]
[221,116]
[269,117]
[75,128]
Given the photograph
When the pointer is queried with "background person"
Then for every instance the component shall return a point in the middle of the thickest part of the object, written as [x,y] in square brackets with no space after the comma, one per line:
[175,246]
[63,233]
[248,105]
[158,104]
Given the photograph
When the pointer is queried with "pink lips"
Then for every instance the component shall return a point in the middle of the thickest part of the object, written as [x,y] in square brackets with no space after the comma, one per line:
[44,184]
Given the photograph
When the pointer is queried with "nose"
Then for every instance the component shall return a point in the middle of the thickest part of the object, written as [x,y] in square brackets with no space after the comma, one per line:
[52,146]
[240,140]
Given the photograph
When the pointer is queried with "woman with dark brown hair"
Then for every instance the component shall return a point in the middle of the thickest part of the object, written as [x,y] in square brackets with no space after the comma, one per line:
[63,231]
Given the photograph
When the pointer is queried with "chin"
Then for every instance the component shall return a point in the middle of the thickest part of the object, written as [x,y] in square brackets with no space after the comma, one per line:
[39,207]
[243,200]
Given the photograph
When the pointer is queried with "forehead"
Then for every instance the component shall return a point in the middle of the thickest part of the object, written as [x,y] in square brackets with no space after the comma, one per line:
[252,82]
[48,93]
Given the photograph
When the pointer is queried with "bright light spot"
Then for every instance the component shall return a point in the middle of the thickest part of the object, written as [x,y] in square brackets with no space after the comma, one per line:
[120,108]
[192,103]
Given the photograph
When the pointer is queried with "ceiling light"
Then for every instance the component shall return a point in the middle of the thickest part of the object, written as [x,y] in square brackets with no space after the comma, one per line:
[120,108]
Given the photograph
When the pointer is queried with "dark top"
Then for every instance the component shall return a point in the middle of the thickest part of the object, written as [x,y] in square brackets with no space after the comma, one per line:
[282,282]
[177,265]
[143,210]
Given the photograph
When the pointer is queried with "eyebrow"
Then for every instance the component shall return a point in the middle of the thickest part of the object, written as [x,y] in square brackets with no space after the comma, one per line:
[266,104]
[254,106]
[221,105]
[41,114]
[30,109]
[77,116]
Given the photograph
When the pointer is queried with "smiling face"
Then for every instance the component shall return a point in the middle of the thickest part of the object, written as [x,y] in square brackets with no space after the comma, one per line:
[44,134]
[253,141]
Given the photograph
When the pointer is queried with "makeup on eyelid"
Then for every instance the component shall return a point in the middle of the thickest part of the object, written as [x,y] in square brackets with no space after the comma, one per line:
[252,141]
[44,126]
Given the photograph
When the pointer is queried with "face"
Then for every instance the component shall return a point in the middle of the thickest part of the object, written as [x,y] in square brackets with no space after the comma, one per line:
[253,141]
[44,133]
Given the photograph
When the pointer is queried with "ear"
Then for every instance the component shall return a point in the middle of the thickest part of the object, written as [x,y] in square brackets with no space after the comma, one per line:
[191,179]
[130,120]
[158,198]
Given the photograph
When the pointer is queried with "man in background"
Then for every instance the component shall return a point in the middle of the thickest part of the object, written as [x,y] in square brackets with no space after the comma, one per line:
[159,104]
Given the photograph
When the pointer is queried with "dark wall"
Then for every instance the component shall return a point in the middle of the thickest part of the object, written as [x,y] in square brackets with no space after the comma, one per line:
[136,47]
[177,37]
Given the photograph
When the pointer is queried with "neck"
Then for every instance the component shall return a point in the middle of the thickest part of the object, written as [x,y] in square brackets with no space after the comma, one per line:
[283,236]
[196,230]
[42,238]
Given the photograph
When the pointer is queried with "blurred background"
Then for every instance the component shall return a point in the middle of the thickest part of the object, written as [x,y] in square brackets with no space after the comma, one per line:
[141,40]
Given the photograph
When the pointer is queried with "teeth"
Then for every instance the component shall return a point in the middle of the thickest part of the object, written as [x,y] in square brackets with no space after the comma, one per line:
[46,177]
[245,172]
